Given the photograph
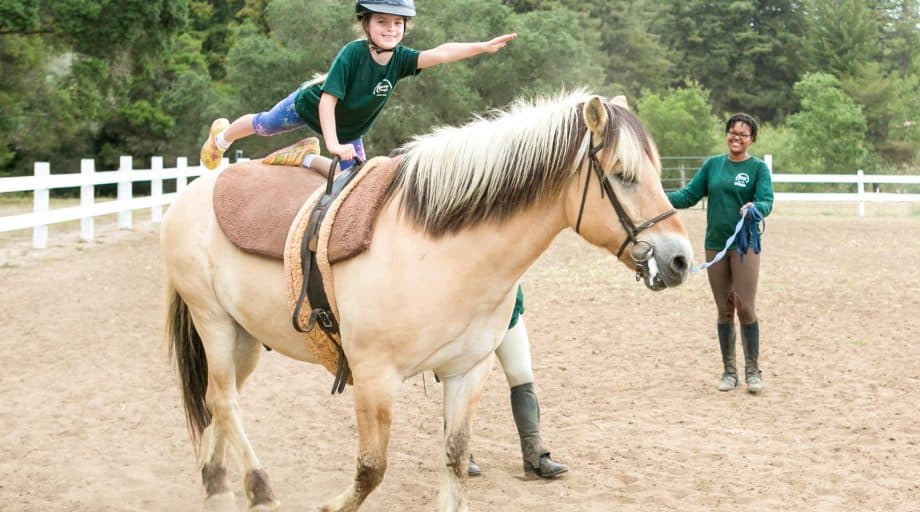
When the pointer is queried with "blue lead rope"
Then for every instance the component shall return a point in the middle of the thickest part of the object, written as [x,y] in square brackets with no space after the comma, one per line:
[747,231]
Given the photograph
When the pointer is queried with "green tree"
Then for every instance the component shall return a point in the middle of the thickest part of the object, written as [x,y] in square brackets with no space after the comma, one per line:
[843,34]
[745,53]
[830,129]
[680,121]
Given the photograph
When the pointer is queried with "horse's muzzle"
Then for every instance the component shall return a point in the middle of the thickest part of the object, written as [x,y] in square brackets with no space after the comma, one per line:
[661,268]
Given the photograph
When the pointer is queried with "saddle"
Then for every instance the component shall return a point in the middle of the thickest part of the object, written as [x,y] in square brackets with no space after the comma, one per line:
[267,209]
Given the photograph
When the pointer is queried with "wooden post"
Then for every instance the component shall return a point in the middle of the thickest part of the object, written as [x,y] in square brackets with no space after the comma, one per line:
[156,189]
[182,171]
[861,192]
[87,199]
[124,191]
[41,202]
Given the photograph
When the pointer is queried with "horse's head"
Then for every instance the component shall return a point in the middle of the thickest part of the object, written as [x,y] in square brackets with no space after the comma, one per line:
[619,202]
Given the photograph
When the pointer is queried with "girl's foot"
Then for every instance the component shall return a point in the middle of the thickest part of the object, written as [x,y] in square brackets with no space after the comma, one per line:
[295,155]
[211,153]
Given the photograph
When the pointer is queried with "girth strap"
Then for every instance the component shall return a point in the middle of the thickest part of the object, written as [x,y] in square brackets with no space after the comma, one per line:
[312,280]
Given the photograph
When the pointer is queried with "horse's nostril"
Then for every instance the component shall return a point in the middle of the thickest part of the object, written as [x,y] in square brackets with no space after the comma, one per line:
[679,264]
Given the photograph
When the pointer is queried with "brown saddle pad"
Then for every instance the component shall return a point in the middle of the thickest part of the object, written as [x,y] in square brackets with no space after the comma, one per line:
[256,203]
[345,232]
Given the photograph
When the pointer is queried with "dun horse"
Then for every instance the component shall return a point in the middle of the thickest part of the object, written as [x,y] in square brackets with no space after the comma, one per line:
[471,208]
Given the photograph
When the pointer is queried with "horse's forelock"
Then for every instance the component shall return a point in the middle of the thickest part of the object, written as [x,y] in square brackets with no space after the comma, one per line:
[632,140]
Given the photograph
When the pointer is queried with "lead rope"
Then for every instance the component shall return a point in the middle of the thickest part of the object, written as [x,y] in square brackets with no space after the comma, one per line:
[748,230]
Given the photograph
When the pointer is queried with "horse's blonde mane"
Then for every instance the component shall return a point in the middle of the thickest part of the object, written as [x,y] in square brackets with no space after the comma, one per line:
[456,177]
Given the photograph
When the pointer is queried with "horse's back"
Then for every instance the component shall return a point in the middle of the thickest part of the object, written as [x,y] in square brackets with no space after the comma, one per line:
[218,280]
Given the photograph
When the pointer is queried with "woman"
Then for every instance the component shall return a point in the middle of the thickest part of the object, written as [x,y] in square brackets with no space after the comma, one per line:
[734,182]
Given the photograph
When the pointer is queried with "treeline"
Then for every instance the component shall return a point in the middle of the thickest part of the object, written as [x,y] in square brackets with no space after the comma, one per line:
[834,82]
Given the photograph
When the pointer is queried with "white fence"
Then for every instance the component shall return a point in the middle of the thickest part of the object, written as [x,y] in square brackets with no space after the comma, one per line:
[42,182]
[124,204]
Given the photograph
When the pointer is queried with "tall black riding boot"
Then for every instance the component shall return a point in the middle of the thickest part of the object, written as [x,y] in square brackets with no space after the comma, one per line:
[750,342]
[526,412]
[727,346]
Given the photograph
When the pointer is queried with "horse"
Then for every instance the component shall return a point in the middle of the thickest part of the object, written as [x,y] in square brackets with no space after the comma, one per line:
[470,208]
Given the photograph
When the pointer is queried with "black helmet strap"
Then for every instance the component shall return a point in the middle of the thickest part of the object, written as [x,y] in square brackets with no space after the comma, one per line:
[376,49]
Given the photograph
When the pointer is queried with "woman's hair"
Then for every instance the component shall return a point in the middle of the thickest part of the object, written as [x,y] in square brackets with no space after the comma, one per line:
[744,118]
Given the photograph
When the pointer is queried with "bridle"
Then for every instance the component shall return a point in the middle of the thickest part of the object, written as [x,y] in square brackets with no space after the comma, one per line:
[632,230]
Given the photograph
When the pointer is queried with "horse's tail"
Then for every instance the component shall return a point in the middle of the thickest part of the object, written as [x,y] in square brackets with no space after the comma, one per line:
[191,362]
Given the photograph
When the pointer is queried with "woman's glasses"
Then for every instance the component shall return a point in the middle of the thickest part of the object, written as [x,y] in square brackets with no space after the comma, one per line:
[743,136]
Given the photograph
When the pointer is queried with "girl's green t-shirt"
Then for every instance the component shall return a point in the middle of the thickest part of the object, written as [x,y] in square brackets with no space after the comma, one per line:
[362,86]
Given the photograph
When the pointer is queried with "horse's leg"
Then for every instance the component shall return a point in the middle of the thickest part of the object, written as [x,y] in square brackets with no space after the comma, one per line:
[232,356]
[461,394]
[213,465]
[374,396]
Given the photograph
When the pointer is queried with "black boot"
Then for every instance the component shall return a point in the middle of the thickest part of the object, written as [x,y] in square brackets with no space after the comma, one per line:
[727,346]
[750,342]
[526,412]
[473,468]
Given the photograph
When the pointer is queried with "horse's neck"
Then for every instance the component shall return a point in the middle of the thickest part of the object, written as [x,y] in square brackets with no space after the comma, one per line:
[514,245]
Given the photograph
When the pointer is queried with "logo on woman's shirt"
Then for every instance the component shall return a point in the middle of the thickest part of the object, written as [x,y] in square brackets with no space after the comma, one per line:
[383,88]
[742,180]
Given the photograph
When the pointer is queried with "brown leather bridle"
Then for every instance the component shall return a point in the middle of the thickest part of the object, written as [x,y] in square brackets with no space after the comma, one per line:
[632,230]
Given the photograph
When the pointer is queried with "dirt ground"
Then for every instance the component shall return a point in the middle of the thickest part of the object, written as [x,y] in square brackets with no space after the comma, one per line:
[90,415]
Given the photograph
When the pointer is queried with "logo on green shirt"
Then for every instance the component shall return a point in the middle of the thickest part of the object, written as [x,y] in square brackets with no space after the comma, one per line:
[383,88]
[742,180]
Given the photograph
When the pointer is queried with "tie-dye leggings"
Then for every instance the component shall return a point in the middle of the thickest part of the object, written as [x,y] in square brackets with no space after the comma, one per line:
[283,117]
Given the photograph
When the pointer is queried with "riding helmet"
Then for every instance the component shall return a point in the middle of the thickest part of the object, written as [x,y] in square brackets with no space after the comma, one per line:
[405,8]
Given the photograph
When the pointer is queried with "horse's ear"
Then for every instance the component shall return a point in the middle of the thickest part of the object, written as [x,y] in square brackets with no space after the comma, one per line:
[595,116]
[621,101]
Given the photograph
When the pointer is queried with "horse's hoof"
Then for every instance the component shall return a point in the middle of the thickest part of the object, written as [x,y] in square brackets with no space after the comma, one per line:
[548,468]
[267,506]
[222,502]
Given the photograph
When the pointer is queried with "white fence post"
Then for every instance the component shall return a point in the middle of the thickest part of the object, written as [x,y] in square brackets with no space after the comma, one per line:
[41,202]
[768,159]
[861,192]
[125,164]
[87,199]
[156,189]
[182,178]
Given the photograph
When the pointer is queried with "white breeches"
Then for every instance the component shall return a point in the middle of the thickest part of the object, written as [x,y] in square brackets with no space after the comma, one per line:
[514,355]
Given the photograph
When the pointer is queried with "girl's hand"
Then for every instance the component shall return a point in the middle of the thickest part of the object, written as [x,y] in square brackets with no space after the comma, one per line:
[345,152]
[745,207]
[498,43]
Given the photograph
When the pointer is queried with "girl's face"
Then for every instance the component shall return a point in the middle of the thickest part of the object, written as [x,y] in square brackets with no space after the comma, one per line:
[386,30]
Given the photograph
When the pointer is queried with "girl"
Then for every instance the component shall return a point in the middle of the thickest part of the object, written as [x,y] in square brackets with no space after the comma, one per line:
[344,103]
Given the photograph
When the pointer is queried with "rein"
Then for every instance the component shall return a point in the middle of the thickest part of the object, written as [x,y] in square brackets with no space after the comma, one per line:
[632,230]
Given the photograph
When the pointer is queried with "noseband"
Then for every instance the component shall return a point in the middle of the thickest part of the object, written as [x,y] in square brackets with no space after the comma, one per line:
[632,230]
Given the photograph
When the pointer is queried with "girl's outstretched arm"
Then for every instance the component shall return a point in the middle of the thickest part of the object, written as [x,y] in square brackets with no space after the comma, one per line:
[452,52]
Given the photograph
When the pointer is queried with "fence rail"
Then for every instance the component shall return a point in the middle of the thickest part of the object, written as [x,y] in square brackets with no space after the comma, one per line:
[125,203]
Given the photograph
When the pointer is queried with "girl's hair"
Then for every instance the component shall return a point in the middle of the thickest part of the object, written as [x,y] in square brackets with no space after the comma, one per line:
[745,118]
